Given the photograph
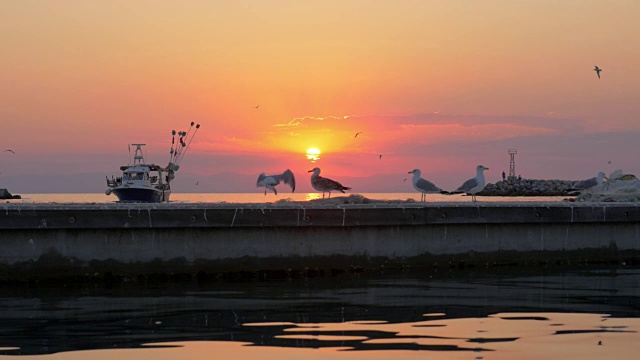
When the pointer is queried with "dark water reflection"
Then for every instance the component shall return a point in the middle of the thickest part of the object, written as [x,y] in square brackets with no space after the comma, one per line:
[374,313]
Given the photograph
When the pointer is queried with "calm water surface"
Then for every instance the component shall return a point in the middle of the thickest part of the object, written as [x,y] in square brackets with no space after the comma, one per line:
[580,314]
[261,198]
[587,313]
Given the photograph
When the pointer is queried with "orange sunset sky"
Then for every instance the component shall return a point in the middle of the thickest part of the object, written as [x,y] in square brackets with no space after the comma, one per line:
[436,85]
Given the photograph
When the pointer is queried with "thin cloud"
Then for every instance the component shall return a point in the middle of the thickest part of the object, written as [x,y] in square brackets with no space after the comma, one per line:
[305,121]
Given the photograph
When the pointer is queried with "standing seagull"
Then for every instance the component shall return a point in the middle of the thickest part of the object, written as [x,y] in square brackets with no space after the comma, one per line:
[473,185]
[424,186]
[325,185]
[269,182]
[597,70]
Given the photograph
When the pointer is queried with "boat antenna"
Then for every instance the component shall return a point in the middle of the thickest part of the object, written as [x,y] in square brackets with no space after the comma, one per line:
[185,135]
[176,149]
[179,145]
[188,131]
[173,140]
[188,143]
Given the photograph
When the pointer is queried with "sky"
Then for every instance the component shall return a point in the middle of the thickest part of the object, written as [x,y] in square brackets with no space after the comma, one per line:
[437,85]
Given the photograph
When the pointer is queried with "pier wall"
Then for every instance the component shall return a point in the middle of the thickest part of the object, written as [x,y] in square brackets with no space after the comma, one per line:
[252,237]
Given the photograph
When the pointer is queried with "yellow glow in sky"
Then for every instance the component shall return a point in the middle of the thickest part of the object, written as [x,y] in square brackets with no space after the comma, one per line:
[94,76]
[313,154]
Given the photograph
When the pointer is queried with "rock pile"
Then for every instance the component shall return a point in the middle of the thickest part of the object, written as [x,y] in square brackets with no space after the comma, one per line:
[529,187]
[5,194]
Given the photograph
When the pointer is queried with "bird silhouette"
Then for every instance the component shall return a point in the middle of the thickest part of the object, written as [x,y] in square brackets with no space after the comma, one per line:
[380,156]
[473,185]
[424,186]
[10,151]
[323,184]
[270,181]
[257,106]
[358,133]
[597,70]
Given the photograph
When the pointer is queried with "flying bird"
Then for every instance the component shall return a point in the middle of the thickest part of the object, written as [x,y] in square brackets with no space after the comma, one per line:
[325,185]
[473,185]
[597,70]
[10,151]
[405,180]
[257,106]
[424,186]
[380,156]
[358,133]
[270,181]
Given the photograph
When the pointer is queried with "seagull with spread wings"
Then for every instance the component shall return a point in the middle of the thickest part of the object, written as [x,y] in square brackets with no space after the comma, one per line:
[270,181]
[597,70]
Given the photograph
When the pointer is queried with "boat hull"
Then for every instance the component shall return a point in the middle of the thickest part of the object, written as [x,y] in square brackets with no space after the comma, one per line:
[141,195]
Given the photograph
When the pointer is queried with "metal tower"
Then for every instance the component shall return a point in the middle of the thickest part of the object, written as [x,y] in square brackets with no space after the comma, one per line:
[512,164]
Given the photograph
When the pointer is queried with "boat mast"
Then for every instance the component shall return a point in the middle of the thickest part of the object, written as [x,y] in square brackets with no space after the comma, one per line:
[189,140]
[138,157]
[179,147]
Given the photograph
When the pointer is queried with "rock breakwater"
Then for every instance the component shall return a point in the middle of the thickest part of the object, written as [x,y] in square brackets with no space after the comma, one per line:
[530,187]
[5,194]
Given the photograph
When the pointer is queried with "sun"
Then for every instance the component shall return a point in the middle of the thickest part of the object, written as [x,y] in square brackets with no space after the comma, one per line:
[313,154]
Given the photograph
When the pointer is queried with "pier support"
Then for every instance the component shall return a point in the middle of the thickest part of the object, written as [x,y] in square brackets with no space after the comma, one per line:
[249,237]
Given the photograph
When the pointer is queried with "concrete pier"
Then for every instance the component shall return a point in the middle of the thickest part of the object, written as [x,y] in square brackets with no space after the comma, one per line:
[38,240]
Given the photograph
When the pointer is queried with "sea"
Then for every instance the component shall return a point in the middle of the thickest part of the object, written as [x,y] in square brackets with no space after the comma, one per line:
[569,312]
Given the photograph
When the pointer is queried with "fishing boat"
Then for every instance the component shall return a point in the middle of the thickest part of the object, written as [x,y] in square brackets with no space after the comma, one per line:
[144,182]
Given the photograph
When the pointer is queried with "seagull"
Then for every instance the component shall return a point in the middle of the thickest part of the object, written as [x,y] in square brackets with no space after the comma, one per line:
[10,151]
[380,156]
[473,185]
[358,133]
[424,186]
[325,185]
[597,70]
[589,183]
[257,106]
[269,182]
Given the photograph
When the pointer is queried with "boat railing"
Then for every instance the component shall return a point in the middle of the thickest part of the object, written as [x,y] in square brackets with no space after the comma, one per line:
[114,182]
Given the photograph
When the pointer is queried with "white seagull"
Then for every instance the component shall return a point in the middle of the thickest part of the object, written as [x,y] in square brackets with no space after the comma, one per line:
[424,186]
[270,181]
[589,183]
[597,70]
[325,185]
[473,185]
